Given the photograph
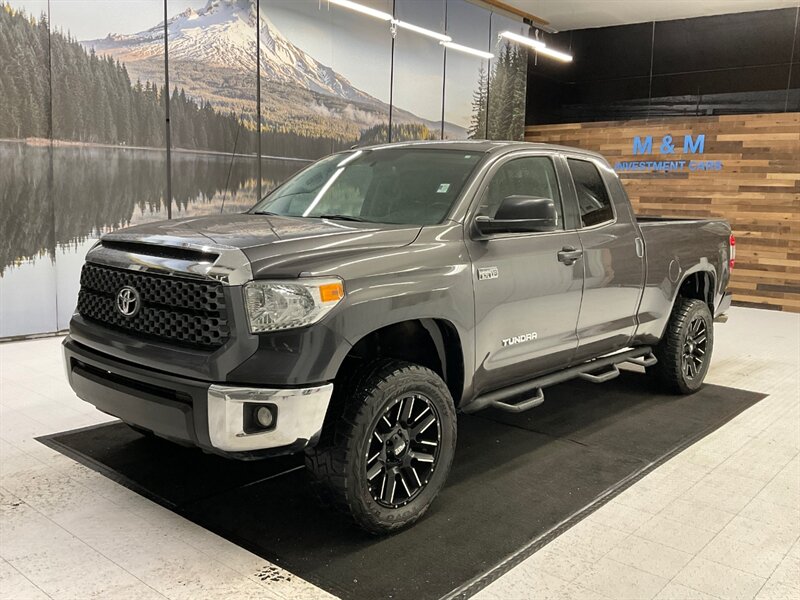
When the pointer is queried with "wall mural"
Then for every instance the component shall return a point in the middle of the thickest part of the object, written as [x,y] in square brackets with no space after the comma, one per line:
[92,158]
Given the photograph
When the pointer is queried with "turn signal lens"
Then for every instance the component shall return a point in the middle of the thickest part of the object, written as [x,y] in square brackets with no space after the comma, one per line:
[331,292]
[733,251]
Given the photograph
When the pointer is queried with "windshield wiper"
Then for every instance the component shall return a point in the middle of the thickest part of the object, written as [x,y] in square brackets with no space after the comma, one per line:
[343,218]
[266,212]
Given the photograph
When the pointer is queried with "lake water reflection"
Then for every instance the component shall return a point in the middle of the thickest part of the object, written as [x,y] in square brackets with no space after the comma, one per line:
[46,230]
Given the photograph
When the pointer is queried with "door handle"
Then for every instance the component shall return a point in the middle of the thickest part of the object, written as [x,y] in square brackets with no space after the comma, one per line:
[569,255]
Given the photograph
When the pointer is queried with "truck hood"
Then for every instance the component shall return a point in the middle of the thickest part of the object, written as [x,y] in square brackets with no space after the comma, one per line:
[278,246]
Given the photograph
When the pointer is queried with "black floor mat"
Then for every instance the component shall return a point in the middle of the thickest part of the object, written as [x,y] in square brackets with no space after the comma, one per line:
[514,478]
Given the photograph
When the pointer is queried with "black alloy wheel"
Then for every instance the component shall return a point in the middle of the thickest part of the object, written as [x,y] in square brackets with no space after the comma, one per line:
[403,450]
[684,351]
[694,347]
[387,445]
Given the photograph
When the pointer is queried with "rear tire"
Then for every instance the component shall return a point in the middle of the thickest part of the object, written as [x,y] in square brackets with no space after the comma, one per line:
[684,353]
[388,455]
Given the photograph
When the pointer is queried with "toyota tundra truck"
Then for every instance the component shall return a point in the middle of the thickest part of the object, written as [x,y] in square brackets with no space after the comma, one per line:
[359,306]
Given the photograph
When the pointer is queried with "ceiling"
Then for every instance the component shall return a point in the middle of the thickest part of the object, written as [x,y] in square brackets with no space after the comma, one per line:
[580,14]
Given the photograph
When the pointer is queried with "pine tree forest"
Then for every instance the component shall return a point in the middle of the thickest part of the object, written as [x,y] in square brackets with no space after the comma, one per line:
[95,101]
[498,103]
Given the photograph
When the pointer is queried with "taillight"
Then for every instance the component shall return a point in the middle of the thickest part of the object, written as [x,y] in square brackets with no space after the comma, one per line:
[733,251]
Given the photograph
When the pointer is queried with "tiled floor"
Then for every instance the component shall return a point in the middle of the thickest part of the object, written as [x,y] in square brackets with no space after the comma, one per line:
[721,520]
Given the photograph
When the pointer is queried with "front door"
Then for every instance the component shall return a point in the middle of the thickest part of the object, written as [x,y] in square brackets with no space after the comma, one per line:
[527,296]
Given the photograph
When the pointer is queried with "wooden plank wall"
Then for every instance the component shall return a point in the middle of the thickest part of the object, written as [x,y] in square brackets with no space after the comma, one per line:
[757,190]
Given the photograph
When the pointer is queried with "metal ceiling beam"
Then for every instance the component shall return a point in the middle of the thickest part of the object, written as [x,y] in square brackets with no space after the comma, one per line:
[500,6]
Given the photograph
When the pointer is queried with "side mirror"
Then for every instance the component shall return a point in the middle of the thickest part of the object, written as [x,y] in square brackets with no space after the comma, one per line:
[521,214]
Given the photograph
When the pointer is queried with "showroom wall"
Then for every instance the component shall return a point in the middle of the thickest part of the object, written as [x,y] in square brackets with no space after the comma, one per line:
[732,80]
[83,147]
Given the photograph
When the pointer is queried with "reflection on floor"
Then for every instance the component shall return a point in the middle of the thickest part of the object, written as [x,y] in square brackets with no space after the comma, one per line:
[722,519]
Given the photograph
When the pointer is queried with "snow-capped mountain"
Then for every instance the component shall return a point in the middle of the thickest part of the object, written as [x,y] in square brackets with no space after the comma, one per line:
[222,34]
[212,57]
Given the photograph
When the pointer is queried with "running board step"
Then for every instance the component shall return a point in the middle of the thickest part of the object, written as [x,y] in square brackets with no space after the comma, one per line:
[644,361]
[612,373]
[532,390]
[527,404]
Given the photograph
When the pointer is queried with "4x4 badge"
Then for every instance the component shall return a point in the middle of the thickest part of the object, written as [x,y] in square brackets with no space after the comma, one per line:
[488,273]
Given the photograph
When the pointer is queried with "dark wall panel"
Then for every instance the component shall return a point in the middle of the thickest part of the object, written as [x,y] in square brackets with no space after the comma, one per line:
[608,52]
[793,97]
[725,64]
[746,79]
[544,98]
[724,42]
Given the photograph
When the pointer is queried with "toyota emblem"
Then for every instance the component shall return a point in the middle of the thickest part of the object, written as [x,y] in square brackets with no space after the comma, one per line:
[128,301]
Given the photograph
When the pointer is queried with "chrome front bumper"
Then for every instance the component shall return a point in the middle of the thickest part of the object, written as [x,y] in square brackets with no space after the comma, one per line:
[299,416]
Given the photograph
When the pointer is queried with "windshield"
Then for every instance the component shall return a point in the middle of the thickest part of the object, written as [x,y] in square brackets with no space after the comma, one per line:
[414,186]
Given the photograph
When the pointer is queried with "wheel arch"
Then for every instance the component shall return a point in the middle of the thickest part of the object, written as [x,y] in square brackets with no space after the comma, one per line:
[699,284]
[430,342]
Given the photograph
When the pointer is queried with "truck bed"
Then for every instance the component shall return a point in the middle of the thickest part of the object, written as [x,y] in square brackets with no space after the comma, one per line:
[675,247]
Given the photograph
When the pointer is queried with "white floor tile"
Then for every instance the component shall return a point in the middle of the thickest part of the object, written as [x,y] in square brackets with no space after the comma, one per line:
[651,557]
[719,580]
[616,580]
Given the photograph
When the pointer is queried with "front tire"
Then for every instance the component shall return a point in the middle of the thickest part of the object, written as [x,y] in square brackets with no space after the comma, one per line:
[388,456]
[684,353]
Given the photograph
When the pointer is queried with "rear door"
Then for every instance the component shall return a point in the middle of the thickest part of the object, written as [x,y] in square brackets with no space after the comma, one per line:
[526,300]
[613,261]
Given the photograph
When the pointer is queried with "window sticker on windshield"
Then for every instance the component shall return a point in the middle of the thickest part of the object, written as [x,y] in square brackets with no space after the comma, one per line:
[443,187]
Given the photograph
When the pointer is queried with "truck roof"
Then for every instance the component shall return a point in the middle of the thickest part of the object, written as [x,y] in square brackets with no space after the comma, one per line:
[487,146]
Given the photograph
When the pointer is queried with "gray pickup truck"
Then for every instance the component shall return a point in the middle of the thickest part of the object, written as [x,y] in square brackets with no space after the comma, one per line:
[364,302]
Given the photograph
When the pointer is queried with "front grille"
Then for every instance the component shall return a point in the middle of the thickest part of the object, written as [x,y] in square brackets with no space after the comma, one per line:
[181,311]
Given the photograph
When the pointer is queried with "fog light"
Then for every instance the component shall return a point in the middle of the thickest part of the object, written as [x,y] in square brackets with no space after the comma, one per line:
[264,417]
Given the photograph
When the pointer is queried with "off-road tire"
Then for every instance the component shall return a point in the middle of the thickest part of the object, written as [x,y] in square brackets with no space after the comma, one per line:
[337,464]
[670,370]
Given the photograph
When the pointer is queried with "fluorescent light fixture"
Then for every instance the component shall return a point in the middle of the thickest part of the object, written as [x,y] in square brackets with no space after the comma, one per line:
[422,31]
[365,10]
[554,54]
[537,45]
[467,49]
[522,39]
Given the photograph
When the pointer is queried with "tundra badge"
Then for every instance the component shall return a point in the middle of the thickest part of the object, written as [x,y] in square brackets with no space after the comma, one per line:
[518,339]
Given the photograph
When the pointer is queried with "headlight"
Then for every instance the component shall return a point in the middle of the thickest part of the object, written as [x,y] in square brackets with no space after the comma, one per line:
[276,305]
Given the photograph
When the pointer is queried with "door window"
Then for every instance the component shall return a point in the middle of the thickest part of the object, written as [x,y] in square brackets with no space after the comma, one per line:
[527,176]
[593,200]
